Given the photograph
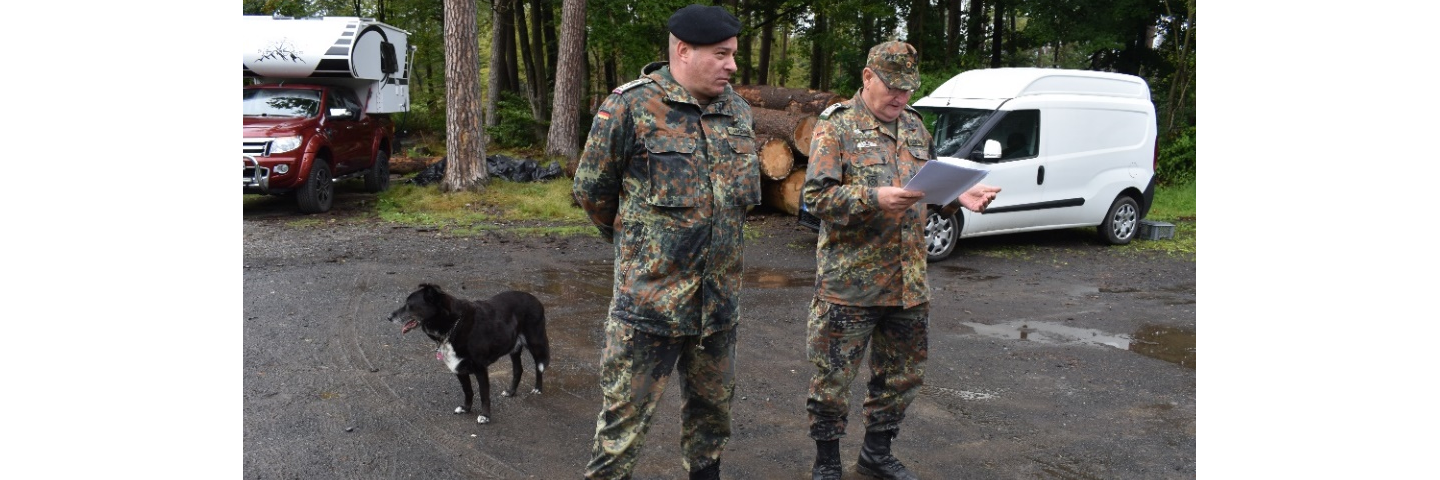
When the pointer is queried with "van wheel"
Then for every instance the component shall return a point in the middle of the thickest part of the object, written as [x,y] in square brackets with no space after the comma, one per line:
[377,179]
[941,233]
[1121,221]
[318,192]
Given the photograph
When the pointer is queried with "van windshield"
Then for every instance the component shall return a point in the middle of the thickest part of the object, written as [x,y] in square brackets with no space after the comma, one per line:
[282,102]
[955,126]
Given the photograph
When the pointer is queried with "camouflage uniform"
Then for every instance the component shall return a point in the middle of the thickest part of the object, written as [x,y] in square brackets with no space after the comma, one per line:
[668,181]
[871,286]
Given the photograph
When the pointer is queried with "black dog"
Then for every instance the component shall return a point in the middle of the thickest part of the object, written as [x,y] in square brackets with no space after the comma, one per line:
[473,335]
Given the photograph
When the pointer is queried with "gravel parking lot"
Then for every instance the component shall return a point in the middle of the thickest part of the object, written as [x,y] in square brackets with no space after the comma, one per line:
[1060,358]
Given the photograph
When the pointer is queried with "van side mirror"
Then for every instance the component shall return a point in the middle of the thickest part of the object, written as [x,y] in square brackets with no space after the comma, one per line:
[342,114]
[992,151]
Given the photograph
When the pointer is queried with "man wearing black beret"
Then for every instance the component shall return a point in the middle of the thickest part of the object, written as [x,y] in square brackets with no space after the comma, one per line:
[667,174]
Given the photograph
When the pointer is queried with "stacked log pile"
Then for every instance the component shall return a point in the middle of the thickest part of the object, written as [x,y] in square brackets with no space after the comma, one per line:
[784,122]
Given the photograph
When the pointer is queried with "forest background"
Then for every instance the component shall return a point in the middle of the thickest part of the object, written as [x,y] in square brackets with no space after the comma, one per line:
[547,64]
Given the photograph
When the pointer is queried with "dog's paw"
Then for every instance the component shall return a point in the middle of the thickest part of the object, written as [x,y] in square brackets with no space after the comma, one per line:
[506,393]
[460,410]
[482,419]
[535,392]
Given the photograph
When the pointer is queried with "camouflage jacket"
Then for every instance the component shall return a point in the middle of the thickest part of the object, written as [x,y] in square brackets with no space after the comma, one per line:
[865,256]
[668,181]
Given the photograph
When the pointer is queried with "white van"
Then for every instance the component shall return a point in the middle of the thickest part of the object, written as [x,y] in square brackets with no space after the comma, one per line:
[1069,148]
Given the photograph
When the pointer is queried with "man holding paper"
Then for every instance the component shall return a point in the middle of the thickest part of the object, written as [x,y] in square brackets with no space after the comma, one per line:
[870,259]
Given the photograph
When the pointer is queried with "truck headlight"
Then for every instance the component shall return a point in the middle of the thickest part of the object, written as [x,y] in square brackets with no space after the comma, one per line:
[284,144]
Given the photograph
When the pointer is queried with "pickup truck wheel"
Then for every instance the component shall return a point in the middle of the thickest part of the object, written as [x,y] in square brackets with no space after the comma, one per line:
[378,178]
[318,193]
[1121,221]
[941,233]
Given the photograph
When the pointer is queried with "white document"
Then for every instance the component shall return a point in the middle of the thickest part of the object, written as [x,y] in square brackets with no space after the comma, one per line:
[943,181]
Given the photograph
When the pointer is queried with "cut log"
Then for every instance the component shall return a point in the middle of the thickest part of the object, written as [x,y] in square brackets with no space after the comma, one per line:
[783,194]
[794,128]
[804,131]
[776,159]
[775,123]
[793,100]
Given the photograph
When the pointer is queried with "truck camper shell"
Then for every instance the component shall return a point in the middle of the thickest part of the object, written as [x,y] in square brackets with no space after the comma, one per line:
[370,57]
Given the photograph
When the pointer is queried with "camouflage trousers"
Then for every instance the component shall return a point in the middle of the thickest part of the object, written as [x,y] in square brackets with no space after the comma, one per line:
[838,337]
[633,372]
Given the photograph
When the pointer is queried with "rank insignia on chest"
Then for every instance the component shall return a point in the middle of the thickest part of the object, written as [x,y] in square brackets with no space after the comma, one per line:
[866,144]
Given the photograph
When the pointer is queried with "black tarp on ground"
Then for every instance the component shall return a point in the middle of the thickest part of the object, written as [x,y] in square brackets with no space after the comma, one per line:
[499,166]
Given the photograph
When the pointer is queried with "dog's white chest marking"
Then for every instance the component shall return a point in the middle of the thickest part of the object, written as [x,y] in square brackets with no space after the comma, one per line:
[446,353]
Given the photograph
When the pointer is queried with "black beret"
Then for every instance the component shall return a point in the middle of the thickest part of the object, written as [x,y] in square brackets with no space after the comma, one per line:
[702,25]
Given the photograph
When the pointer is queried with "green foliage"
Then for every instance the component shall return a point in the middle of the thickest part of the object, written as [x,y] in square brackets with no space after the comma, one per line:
[1177,158]
[515,125]
[631,31]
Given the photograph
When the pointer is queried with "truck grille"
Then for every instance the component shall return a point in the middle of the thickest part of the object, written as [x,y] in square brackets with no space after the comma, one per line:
[257,147]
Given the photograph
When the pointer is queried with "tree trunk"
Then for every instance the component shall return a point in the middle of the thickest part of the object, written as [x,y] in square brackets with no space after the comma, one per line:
[552,47]
[997,35]
[496,84]
[1181,78]
[744,61]
[817,53]
[784,74]
[564,118]
[464,136]
[975,29]
[541,105]
[527,56]
[952,32]
[767,37]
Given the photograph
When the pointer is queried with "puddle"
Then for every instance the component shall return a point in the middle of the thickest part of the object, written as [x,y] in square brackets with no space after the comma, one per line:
[1171,344]
[774,278]
[962,272]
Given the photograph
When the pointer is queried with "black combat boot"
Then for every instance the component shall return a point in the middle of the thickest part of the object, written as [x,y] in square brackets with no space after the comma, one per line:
[876,461]
[711,472]
[827,460]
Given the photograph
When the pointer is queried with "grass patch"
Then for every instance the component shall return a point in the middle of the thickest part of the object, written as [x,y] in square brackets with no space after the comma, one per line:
[1174,203]
[545,208]
[501,203]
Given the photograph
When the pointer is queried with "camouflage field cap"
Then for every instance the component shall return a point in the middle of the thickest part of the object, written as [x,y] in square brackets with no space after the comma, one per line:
[896,64]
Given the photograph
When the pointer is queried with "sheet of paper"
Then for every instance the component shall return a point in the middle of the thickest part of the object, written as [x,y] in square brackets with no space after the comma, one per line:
[943,181]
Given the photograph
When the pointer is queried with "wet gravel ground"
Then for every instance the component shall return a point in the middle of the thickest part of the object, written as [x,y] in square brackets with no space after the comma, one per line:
[1061,358]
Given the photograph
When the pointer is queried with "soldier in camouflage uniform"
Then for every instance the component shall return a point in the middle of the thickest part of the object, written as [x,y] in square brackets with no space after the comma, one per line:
[667,175]
[870,260]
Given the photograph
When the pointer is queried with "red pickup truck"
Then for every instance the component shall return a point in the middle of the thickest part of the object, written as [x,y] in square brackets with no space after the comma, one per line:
[300,138]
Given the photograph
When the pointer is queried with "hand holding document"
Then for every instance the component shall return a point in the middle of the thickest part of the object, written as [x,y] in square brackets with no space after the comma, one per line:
[943,181]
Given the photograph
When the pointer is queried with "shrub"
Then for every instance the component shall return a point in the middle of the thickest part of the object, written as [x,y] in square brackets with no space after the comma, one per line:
[1177,158]
[515,126]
